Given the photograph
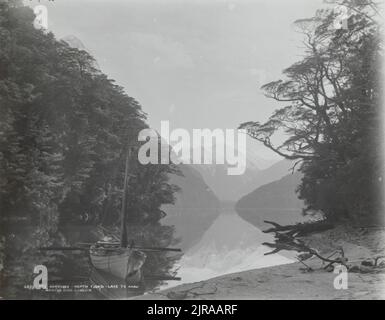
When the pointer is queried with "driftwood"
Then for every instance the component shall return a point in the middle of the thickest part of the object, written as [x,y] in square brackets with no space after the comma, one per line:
[299,229]
[302,248]
[286,238]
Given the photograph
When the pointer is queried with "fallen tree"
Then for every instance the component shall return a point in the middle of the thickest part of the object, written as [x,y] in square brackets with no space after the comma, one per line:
[300,229]
[287,238]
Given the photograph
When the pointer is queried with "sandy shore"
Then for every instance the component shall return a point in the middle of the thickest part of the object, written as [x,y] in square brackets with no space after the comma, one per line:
[293,281]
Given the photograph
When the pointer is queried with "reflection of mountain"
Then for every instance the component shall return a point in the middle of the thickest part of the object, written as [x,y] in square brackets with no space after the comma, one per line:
[229,245]
[195,209]
[197,206]
[276,201]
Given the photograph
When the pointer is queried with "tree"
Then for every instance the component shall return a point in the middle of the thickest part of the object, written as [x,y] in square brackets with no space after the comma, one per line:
[64,130]
[331,112]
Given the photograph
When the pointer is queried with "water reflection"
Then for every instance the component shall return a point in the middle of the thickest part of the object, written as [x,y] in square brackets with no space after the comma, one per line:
[70,274]
[230,245]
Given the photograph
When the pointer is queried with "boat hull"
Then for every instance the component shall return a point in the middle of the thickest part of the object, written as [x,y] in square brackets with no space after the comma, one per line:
[121,263]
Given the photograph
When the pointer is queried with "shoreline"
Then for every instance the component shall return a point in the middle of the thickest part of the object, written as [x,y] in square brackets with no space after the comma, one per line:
[292,281]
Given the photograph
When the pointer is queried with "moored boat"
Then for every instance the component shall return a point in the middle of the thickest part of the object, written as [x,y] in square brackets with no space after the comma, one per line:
[124,263]
[114,256]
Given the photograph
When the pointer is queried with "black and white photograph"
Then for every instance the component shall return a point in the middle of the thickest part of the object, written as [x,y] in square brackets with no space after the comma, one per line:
[206,150]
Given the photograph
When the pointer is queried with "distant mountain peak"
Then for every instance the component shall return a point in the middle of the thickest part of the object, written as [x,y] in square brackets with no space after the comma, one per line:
[74,42]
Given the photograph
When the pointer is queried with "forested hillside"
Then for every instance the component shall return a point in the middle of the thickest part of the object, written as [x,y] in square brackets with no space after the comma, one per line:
[64,131]
[275,201]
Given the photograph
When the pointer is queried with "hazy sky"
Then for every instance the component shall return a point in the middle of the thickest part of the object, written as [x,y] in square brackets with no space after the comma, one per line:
[196,63]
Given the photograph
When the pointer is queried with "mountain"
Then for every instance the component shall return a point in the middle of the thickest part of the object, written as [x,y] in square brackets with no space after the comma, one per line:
[75,42]
[256,157]
[273,173]
[195,209]
[227,187]
[233,187]
[276,201]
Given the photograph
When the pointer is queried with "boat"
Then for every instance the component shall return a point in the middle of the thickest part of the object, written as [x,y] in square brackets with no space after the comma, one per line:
[116,258]
[123,263]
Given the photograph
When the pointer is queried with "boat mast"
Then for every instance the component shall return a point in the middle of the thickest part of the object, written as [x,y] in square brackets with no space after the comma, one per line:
[123,218]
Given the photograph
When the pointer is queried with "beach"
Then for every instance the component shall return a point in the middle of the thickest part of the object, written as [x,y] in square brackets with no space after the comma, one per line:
[294,281]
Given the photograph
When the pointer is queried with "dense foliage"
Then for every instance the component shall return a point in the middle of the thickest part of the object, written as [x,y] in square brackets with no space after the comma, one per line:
[332,112]
[64,132]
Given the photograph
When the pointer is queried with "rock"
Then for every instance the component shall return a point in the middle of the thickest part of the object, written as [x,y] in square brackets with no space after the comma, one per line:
[177,295]
[368,263]
[355,269]
[306,270]
[379,260]
[366,269]
[236,279]
[330,268]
